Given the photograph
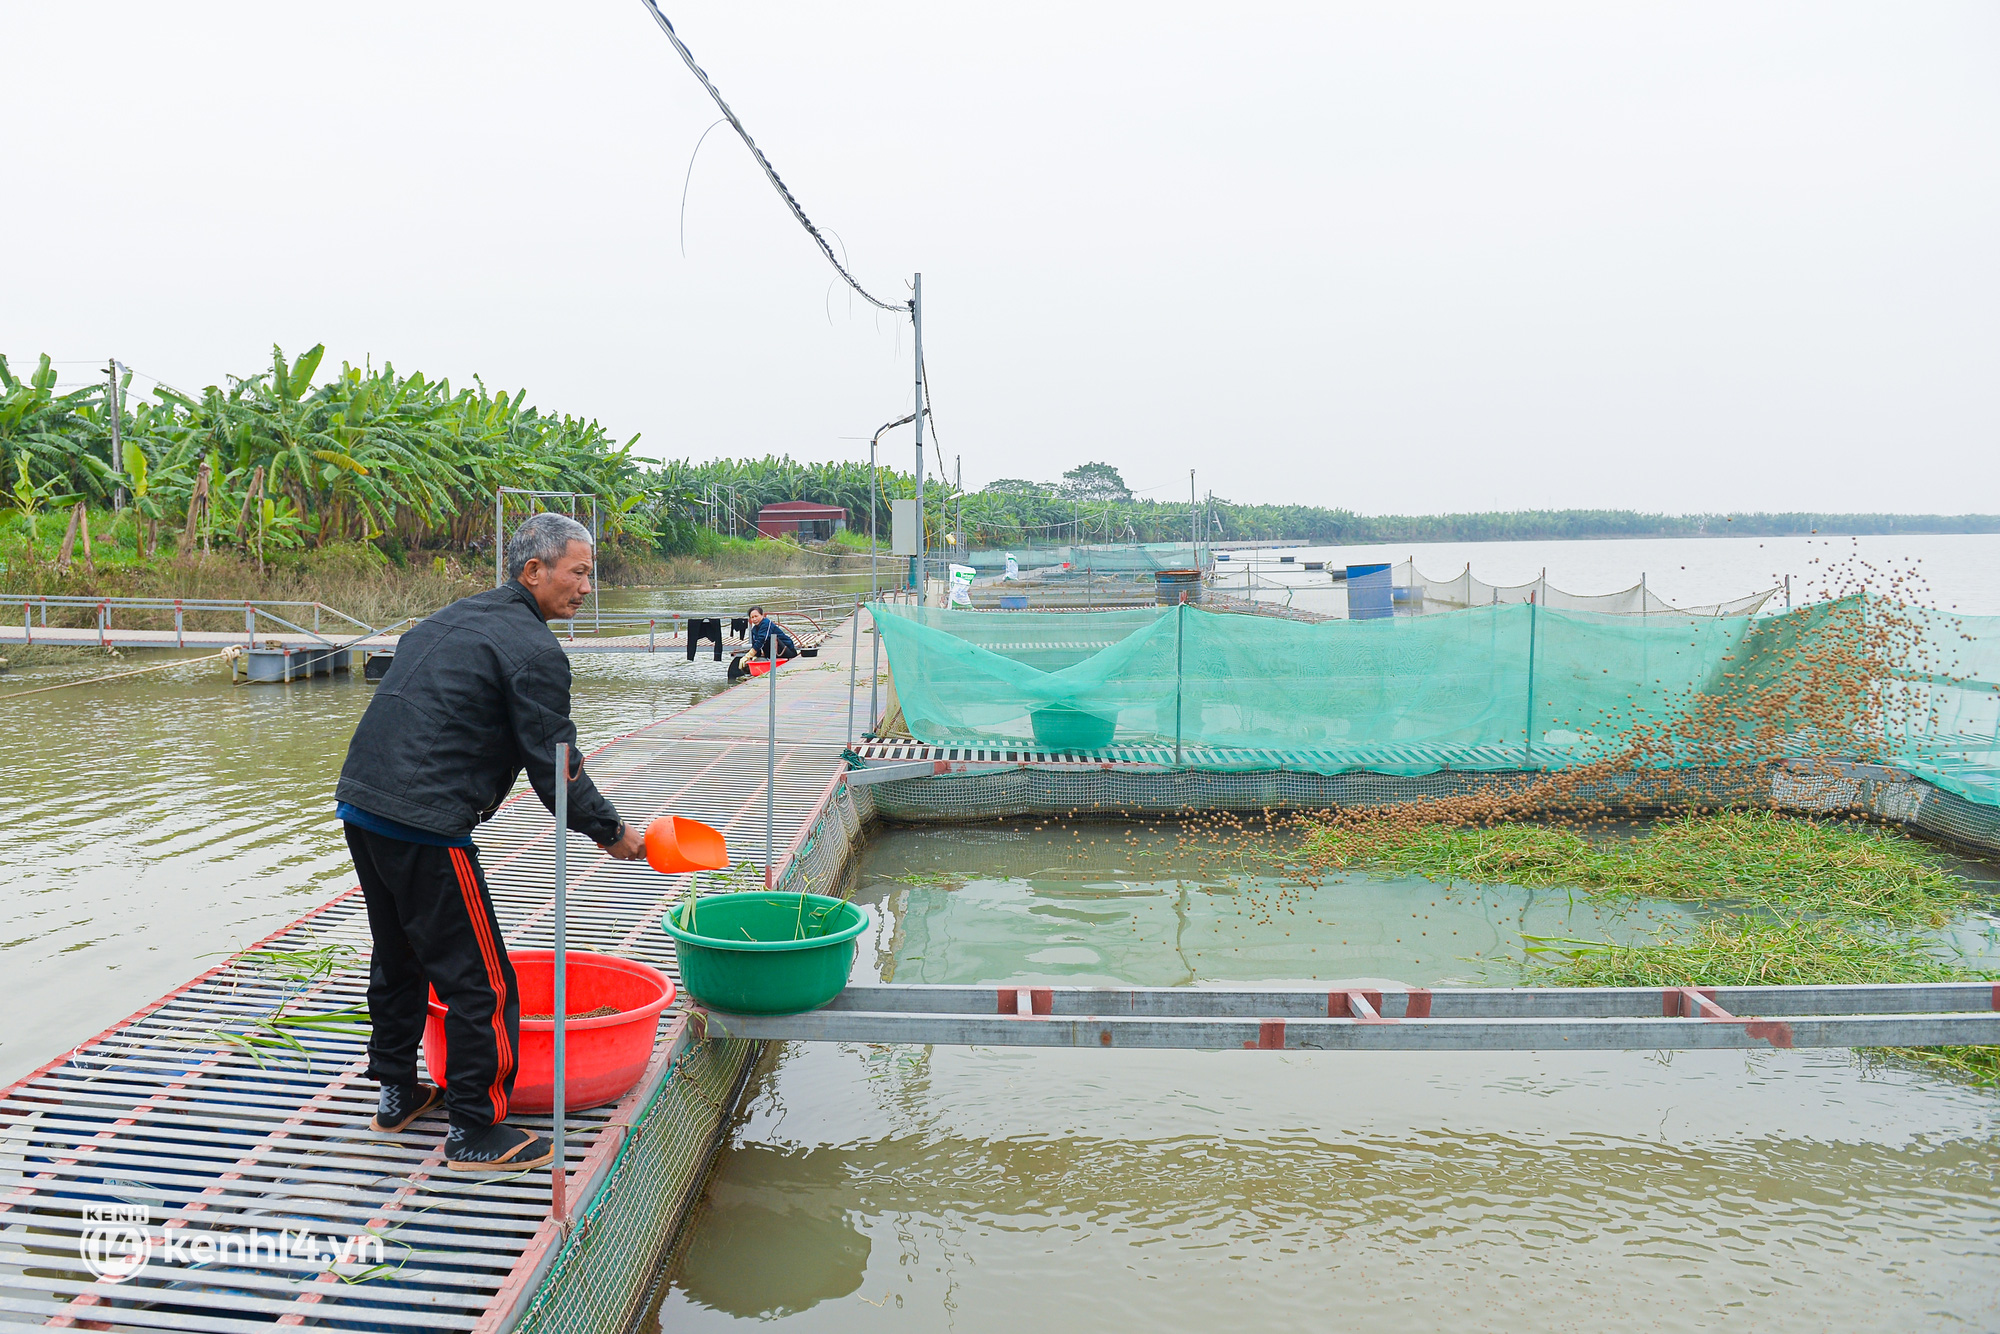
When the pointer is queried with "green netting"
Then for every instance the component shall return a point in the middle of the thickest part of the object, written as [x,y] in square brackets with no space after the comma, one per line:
[1951,707]
[1488,688]
[616,1247]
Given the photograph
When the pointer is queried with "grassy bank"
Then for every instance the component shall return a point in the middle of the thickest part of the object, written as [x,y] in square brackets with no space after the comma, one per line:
[357,577]
[717,558]
[1812,901]
[352,577]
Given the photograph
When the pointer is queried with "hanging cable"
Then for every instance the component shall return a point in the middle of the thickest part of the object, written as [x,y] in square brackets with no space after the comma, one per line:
[765,163]
[688,182]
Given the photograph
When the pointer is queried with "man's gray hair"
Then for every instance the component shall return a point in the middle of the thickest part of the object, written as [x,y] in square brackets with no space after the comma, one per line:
[543,537]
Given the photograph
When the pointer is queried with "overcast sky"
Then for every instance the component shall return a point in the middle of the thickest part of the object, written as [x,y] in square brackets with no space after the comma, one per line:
[1398,257]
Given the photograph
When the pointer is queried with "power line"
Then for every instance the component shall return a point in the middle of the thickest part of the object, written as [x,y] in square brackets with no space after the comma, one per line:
[764,162]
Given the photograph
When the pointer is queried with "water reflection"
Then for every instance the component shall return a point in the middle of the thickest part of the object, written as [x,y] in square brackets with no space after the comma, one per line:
[1002,1188]
[153,824]
[777,1238]
[1136,906]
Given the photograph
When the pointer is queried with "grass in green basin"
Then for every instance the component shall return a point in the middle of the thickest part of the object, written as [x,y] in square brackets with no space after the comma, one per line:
[1822,867]
[1758,951]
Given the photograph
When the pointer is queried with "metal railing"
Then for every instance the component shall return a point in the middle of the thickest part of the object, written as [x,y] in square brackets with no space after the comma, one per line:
[103,609]
[321,623]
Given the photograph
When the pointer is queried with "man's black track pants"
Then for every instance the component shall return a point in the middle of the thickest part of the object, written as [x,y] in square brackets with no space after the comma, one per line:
[434,929]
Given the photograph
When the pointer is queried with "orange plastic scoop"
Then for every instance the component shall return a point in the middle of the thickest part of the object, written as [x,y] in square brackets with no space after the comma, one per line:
[675,844]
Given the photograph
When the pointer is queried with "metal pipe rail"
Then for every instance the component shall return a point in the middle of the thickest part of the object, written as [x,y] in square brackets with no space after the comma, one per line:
[248,608]
[260,615]
[1356,1018]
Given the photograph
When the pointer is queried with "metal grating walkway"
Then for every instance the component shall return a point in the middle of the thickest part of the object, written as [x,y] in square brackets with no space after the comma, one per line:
[220,1143]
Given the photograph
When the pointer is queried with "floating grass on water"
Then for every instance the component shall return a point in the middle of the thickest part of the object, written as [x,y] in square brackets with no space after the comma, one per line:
[931,879]
[1749,952]
[1820,867]
[1757,951]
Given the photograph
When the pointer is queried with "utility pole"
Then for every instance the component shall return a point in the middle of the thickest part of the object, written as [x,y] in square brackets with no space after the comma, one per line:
[1194,523]
[958,485]
[917,324]
[117,445]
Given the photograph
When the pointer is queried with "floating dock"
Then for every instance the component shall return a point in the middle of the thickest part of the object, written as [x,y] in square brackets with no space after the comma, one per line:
[184,1115]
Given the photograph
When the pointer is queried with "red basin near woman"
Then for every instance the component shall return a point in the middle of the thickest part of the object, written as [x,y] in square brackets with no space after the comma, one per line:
[604,1056]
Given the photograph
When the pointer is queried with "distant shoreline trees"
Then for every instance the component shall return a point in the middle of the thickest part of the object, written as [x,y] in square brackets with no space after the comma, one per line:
[291,457]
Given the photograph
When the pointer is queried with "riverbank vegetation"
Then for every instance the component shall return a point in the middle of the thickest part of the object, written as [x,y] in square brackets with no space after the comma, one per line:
[300,456]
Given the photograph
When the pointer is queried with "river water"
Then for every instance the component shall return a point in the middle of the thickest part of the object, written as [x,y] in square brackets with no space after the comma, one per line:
[1002,1188]
[152,825]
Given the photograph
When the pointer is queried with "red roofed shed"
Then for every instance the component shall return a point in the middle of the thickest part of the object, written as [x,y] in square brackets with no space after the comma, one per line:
[802,519]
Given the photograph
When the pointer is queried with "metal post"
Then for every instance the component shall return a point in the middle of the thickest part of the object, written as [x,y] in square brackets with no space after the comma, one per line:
[917,324]
[874,669]
[1533,612]
[874,580]
[1642,592]
[249,625]
[1194,526]
[1788,592]
[853,666]
[117,447]
[499,543]
[558,1176]
[771,773]
[596,597]
[1180,623]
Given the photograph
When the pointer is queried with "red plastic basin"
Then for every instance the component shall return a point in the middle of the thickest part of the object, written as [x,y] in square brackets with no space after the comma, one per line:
[603,1057]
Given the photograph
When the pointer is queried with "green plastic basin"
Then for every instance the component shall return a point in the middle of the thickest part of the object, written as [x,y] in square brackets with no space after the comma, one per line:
[766,953]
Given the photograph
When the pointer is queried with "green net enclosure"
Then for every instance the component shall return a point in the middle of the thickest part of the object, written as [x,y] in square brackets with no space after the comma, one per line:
[1947,702]
[1486,688]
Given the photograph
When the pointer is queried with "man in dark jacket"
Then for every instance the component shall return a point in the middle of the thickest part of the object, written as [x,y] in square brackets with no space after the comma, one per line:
[475,694]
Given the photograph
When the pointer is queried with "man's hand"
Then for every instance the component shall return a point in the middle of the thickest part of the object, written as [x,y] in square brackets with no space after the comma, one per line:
[630,847]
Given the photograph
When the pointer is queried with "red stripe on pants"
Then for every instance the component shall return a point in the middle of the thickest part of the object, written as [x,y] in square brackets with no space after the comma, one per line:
[475,908]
